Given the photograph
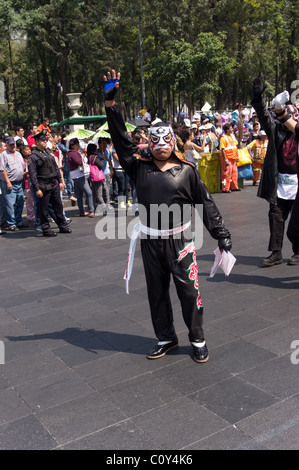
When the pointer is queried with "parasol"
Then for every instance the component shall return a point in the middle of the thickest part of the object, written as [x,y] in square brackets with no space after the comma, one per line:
[80,134]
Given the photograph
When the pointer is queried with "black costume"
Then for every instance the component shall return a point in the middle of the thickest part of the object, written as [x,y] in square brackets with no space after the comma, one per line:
[280,158]
[181,185]
[45,176]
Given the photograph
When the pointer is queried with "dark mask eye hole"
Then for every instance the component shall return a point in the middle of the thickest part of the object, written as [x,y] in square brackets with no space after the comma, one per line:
[155,139]
[167,138]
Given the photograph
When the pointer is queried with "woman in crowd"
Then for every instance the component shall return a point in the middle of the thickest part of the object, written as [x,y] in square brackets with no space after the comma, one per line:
[76,165]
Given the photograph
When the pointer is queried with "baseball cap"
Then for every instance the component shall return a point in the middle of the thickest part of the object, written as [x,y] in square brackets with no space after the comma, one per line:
[10,140]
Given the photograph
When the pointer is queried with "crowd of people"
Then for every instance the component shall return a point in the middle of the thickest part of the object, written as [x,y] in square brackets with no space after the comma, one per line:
[226,132]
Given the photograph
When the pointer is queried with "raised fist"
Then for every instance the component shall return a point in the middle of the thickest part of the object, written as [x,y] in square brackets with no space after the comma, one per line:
[257,88]
[111,85]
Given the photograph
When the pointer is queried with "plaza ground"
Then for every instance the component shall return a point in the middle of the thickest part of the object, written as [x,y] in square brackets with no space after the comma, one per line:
[76,374]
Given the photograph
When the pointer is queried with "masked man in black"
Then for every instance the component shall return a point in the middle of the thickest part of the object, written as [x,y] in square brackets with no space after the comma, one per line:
[46,181]
[166,251]
[279,180]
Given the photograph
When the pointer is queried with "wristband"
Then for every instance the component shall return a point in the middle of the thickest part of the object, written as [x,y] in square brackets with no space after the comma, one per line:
[280,113]
[284,119]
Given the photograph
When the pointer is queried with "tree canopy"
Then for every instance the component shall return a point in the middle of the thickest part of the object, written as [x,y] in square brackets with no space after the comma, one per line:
[187,53]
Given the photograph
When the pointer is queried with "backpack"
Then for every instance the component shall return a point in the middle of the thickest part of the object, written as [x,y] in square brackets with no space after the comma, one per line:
[96,175]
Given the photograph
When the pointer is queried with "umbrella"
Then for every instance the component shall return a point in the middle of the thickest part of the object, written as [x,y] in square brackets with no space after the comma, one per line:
[80,134]
[139,122]
[104,127]
[129,126]
[102,134]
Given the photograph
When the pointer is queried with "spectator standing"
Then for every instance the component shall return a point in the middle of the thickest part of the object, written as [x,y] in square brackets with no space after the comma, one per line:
[105,155]
[257,149]
[20,135]
[3,223]
[29,202]
[229,157]
[76,165]
[12,175]
[47,183]
[30,138]
[69,184]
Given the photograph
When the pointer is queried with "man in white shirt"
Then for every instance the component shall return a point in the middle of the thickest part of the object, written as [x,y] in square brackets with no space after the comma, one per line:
[20,135]
[12,174]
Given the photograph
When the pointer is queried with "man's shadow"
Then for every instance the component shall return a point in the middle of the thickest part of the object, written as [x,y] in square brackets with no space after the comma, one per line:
[92,340]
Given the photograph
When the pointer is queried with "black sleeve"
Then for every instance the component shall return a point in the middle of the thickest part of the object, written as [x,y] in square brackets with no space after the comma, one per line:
[297,131]
[212,218]
[124,146]
[32,172]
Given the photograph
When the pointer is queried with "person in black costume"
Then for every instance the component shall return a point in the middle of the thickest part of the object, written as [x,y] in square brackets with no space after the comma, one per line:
[279,181]
[165,179]
[46,180]
[288,115]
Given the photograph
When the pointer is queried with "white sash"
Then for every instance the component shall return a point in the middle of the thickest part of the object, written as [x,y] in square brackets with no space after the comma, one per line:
[139,227]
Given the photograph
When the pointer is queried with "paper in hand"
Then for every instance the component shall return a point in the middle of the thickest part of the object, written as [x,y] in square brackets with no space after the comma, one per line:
[224,260]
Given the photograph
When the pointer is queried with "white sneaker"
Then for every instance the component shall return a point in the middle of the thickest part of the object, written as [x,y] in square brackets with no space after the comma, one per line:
[129,204]
[100,210]
[122,205]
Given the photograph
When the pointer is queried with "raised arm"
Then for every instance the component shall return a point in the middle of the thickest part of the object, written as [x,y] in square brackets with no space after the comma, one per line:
[124,146]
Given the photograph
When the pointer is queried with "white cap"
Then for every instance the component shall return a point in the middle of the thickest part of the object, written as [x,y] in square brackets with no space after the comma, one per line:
[156,120]
[187,122]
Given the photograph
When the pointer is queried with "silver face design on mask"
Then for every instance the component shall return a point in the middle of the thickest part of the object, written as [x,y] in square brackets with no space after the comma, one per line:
[161,137]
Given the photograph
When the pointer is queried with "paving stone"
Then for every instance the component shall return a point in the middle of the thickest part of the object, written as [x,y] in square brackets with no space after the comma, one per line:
[122,436]
[81,416]
[45,392]
[32,367]
[276,427]
[279,377]
[140,394]
[12,406]
[233,407]
[178,423]
[25,433]
[109,370]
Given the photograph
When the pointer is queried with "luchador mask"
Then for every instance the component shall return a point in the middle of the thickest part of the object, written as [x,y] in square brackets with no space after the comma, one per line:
[161,136]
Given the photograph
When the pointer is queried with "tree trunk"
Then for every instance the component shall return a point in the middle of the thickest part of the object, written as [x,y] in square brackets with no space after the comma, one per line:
[47,88]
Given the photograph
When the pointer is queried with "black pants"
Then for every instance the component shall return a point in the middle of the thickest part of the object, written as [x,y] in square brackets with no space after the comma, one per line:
[293,227]
[278,214]
[163,258]
[51,195]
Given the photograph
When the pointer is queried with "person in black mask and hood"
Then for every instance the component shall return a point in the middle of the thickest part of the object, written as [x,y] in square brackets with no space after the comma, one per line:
[165,247]
[279,180]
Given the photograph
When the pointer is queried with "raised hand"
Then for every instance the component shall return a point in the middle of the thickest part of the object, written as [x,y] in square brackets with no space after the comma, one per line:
[111,85]
[257,88]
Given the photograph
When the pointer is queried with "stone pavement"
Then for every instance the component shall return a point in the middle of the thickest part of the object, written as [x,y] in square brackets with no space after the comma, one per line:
[75,373]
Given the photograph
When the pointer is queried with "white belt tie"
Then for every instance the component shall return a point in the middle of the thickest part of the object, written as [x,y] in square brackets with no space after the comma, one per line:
[139,227]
